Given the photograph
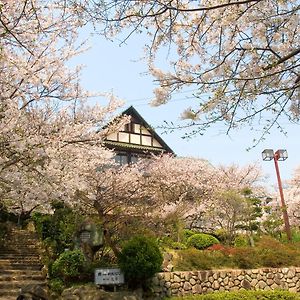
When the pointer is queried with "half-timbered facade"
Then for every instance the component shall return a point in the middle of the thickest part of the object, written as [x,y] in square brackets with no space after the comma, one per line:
[136,140]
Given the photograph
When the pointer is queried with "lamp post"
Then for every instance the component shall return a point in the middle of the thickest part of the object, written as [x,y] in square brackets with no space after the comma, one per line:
[268,154]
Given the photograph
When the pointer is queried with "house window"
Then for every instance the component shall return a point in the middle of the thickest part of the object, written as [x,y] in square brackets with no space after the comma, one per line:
[126,158]
[133,158]
[128,127]
[121,158]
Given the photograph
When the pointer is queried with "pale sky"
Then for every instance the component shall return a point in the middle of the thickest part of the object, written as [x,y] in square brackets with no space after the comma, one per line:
[110,67]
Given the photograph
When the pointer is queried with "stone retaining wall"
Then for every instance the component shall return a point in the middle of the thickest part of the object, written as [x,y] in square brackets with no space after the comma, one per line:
[200,282]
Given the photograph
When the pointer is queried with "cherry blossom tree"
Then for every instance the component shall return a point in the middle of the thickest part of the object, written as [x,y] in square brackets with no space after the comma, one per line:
[292,198]
[232,202]
[142,197]
[50,135]
[138,197]
[240,58]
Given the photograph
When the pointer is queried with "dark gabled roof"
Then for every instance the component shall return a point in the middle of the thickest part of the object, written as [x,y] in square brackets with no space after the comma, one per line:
[131,111]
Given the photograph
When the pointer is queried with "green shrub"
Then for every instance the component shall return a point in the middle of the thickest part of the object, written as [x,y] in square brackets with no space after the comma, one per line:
[59,227]
[56,285]
[296,236]
[140,259]
[244,295]
[193,259]
[201,241]
[274,254]
[188,233]
[245,258]
[69,265]
[178,246]
[241,241]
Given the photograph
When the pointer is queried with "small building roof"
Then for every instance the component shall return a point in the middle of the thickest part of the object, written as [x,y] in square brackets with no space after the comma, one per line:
[136,117]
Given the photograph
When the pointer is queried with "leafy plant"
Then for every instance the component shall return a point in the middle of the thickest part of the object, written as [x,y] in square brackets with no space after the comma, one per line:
[188,233]
[58,228]
[140,259]
[69,265]
[241,241]
[193,259]
[202,241]
[274,254]
[56,285]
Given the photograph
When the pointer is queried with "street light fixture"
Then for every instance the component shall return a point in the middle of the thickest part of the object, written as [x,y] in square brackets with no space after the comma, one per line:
[279,155]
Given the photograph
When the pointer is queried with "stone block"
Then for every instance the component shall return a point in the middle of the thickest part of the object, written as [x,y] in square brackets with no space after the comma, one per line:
[175,285]
[203,275]
[167,276]
[196,289]
[187,286]
[261,285]
[246,284]
[254,282]
[215,285]
[291,273]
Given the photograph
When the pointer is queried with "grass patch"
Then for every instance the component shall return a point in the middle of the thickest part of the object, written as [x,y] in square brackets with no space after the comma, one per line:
[244,295]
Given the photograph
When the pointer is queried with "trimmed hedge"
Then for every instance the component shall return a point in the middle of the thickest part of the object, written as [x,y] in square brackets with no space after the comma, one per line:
[244,295]
[202,241]
[140,259]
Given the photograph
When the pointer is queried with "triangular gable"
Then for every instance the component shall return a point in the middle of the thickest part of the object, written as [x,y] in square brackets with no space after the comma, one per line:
[138,135]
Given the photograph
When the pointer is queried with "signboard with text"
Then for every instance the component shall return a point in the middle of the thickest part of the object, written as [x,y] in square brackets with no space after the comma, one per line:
[107,276]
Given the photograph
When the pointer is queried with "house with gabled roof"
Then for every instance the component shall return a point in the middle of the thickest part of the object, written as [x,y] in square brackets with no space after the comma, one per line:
[135,140]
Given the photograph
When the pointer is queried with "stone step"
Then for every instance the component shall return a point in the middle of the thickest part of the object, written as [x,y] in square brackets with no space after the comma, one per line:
[8,298]
[21,277]
[14,273]
[20,266]
[20,242]
[21,251]
[9,262]
[16,285]
[10,294]
[14,290]
[20,263]
[19,256]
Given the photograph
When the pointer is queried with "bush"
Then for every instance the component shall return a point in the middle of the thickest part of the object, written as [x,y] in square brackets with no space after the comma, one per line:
[59,228]
[178,246]
[188,233]
[193,259]
[244,295]
[241,241]
[245,258]
[69,265]
[56,285]
[201,241]
[140,259]
[275,254]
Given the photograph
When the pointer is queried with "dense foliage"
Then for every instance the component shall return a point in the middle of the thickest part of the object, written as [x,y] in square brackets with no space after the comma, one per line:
[201,241]
[268,252]
[140,259]
[69,265]
[58,230]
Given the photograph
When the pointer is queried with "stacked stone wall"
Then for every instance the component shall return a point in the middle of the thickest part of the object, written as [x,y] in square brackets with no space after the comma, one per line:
[200,282]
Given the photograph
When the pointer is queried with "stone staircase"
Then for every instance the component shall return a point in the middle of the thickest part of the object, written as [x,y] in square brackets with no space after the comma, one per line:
[20,263]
